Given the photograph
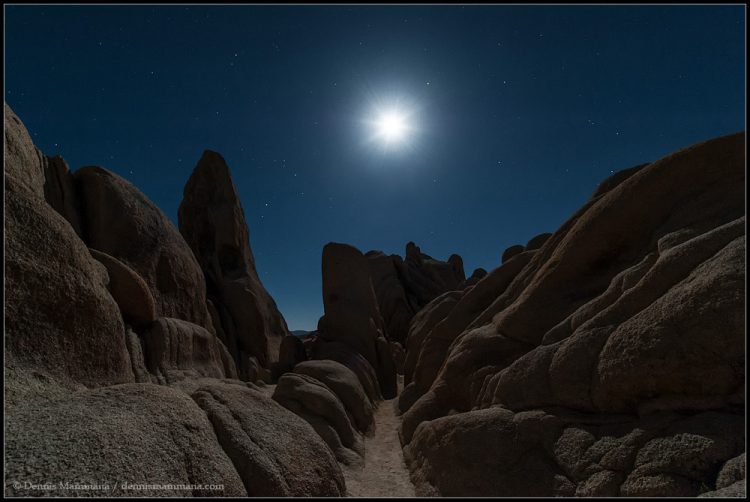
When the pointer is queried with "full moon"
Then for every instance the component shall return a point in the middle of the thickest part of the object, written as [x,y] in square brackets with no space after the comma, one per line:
[391,126]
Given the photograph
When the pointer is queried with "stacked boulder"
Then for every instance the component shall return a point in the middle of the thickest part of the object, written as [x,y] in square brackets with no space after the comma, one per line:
[369,301]
[351,364]
[605,359]
[102,292]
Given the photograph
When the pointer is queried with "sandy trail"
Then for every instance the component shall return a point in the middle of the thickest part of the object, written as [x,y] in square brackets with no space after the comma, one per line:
[384,473]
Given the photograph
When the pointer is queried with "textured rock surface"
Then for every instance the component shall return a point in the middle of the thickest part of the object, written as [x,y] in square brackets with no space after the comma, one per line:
[24,163]
[323,410]
[276,453]
[128,289]
[213,223]
[60,320]
[345,384]
[536,453]
[176,349]
[628,321]
[351,310]
[122,222]
[435,343]
[343,354]
[733,471]
[135,433]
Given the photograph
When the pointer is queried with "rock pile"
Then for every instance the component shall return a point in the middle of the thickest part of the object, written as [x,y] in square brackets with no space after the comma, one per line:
[605,359]
[102,291]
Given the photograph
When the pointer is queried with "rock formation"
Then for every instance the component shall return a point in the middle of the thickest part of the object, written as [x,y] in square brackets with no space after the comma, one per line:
[276,453]
[213,223]
[61,324]
[135,433]
[122,222]
[605,359]
[129,290]
[103,291]
[404,286]
[322,408]
[352,316]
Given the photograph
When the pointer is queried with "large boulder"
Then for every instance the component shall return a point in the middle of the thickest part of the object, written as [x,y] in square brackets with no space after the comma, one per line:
[213,223]
[342,353]
[276,453]
[454,455]
[314,401]
[121,221]
[347,387]
[352,316]
[176,349]
[60,320]
[623,357]
[115,441]
[537,453]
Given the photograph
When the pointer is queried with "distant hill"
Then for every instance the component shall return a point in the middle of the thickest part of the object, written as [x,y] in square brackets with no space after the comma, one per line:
[302,333]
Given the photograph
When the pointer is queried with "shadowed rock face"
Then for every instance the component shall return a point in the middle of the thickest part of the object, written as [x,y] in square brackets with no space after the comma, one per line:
[122,222]
[324,410]
[391,295]
[212,221]
[404,286]
[176,349]
[82,320]
[129,291]
[352,316]
[611,361]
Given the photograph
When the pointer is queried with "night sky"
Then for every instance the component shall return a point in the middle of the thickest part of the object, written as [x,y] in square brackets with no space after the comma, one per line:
[515,113]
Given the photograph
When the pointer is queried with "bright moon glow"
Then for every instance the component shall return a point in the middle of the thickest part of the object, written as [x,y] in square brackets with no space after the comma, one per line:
[392,127]
[392,124]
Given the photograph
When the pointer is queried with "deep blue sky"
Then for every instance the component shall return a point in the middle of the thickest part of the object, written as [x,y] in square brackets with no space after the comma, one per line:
[519,112]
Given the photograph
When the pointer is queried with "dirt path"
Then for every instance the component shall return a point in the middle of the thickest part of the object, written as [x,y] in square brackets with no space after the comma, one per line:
[384,473]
